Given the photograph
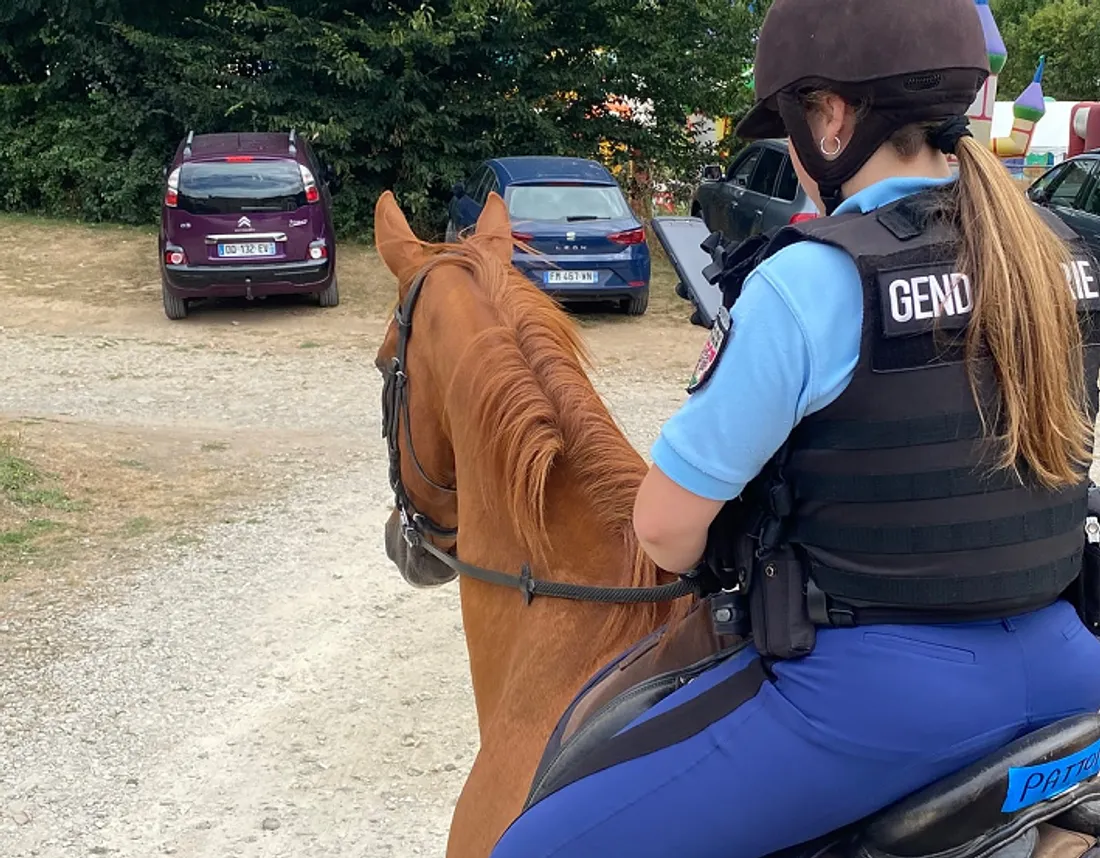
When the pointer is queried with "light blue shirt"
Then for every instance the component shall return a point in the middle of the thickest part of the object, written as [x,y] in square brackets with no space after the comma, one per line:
[791,351]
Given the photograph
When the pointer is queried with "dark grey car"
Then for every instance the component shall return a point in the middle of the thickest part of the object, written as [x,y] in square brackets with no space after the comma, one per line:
[1072,191]
[758,191]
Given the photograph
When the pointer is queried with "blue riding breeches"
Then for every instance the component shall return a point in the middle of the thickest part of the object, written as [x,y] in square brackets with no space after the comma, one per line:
[871,715]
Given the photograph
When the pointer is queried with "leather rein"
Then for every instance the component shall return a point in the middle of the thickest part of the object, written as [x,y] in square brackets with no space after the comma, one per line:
[416,526]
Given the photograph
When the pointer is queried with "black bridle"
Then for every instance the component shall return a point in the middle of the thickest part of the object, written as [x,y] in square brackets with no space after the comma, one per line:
[417,526]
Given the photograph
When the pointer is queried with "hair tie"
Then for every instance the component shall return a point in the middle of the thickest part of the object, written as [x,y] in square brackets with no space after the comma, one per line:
[947,135]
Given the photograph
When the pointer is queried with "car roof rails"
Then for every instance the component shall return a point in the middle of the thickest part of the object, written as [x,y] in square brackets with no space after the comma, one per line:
[187,144]
[293,148]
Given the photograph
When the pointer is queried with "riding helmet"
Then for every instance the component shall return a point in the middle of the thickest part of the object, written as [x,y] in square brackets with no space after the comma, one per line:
[899,61]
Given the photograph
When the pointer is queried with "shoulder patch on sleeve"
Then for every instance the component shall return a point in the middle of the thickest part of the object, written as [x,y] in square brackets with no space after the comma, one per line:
[720,334]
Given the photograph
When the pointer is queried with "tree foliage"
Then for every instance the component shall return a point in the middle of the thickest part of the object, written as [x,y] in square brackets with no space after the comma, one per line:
[1067,32]
[403,94]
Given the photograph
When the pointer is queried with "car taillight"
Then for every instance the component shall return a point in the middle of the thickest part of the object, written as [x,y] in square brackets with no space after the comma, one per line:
[172,194]
[627,237]
[175,257]
[801,216]
[313,193]
[522,236]
[239,159]
[318,249]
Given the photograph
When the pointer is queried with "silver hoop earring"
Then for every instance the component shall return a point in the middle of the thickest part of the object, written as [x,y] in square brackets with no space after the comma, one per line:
[826,152]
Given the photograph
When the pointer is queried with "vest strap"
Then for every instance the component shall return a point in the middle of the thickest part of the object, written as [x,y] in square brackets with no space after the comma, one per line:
[855,488]
[936,538]
[926,592]
[860,435]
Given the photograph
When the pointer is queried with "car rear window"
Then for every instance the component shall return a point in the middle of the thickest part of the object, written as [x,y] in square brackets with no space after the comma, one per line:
[566,202]
[231,187]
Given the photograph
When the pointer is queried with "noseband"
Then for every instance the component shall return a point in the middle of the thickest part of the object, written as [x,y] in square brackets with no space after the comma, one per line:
[416,526]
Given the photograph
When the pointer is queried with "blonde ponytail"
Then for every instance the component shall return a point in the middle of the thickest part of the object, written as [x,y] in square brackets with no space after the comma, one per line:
[1025,318]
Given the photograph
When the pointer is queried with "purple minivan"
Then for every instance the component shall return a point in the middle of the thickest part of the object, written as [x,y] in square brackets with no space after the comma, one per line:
[246,215]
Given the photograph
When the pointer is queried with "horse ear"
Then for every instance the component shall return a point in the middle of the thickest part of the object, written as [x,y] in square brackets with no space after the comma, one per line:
[494,227]
[400,249]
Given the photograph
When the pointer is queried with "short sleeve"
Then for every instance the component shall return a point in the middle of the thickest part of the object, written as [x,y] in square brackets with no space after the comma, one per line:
[791,350]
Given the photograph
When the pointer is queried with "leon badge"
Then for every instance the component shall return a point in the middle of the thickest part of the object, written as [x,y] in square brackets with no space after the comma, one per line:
[712,350]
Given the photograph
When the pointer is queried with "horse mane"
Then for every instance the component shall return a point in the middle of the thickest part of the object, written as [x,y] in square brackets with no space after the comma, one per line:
[536,407]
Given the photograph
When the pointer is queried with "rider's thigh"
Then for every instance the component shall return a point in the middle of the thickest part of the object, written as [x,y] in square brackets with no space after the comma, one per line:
[742,788]
[873,714]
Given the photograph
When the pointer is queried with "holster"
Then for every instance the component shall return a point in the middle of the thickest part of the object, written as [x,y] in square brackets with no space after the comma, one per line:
[781,627]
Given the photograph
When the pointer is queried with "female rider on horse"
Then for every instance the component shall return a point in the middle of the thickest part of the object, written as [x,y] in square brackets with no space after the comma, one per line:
[931,413]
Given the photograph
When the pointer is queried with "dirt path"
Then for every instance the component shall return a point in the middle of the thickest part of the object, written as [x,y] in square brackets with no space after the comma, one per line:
[206,652]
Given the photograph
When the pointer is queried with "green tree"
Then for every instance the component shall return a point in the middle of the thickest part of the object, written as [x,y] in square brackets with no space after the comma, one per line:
[405,94]
[1067,32]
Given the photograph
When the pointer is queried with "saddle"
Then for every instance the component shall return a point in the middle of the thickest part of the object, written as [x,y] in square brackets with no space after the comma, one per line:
[1037,797]
[637,680]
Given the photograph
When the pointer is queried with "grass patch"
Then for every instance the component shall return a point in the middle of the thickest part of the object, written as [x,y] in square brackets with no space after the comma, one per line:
[213,446]
[19,542]
[21,536]
[309,344]
[23,484]
[106,493]
[138,526]
[26,491]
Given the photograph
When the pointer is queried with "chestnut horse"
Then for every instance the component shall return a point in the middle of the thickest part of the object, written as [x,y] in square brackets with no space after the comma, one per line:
[505,443]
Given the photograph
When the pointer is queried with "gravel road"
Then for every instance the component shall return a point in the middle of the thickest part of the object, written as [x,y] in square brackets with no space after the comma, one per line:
[275,689]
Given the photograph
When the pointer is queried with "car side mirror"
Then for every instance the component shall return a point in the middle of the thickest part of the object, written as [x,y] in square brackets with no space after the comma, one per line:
[712,173]
[459,190]
[164,173]
[1038,195]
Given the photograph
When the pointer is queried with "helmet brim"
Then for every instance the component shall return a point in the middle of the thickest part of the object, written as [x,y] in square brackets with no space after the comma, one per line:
[762,122]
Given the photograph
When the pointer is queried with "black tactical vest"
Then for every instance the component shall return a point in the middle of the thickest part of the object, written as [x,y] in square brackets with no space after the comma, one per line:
[890,493]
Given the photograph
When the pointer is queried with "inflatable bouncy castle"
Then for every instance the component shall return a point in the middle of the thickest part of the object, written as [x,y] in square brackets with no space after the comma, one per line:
[1084,128]
[1027,110]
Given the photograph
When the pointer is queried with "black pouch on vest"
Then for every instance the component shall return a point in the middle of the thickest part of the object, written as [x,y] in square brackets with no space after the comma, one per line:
[781,627]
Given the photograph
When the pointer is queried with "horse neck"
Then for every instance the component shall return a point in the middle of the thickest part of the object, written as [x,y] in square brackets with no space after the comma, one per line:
[535,656]
[527,661]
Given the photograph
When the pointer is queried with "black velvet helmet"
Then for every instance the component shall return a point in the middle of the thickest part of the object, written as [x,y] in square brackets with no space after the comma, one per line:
[902,61]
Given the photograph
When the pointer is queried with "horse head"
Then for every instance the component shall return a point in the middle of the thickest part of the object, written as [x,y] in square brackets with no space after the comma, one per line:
[422,462]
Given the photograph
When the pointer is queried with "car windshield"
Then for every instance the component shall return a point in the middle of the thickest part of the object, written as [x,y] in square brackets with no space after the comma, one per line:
[564,202]
[232,187]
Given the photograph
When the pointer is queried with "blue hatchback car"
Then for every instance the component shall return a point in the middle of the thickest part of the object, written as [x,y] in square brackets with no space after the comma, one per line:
[586,244]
